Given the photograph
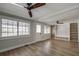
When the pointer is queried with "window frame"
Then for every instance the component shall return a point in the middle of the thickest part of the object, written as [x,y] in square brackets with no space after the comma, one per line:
[8,28]
[22,30]
[15,19]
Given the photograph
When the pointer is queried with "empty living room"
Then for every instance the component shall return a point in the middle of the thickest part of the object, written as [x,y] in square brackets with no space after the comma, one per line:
[39,29]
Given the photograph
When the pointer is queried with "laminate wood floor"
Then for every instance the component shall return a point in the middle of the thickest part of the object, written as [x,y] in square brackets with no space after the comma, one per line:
[46,48]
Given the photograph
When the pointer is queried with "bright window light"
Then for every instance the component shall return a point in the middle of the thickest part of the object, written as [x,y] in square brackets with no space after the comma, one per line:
[9,28]
[24,28]
[38,28]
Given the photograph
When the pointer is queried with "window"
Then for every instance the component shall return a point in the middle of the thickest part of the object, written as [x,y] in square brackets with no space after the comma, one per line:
[24,28]
[9,28]
[46,29]
[38,28]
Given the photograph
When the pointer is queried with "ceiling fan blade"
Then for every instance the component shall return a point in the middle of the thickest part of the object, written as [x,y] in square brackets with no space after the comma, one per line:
[37,5]
[29,4]
[30,13]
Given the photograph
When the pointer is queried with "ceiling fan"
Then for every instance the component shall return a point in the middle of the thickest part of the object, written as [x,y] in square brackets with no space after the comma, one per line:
[31,6]
[59,22]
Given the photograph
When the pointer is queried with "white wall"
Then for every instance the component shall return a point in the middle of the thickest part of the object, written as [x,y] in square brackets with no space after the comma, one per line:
[14,10]
[63,30]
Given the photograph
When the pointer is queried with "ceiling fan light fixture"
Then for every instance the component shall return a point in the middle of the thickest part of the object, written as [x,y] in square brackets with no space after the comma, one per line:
[59,22]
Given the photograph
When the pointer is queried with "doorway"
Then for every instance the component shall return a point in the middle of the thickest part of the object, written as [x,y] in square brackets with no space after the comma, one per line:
[74,32]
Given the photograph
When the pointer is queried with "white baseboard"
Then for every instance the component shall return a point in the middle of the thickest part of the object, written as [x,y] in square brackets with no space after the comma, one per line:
[3,50]
[63,38]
